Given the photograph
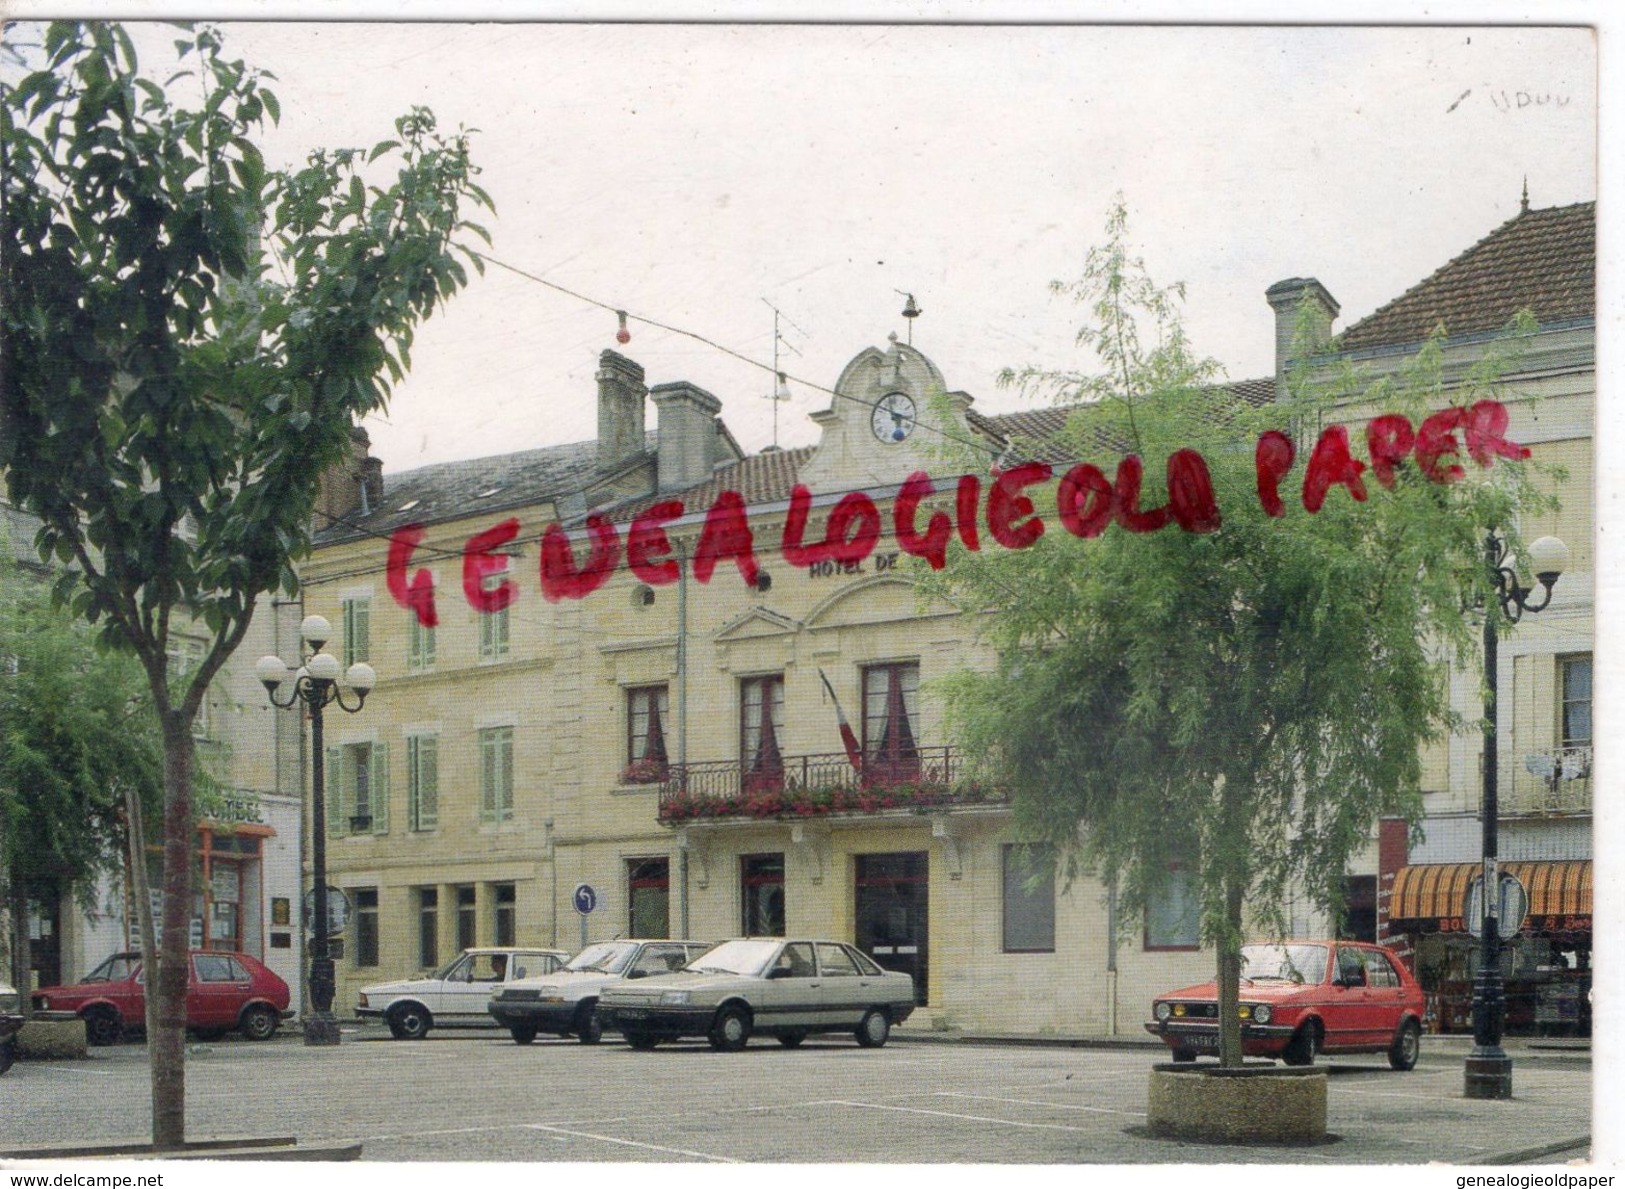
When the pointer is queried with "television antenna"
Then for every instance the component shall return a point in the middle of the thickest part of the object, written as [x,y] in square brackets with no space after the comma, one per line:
[781,385]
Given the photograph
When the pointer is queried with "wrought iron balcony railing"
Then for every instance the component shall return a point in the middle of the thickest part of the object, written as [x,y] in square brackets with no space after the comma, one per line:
[1556,781]
[818,784]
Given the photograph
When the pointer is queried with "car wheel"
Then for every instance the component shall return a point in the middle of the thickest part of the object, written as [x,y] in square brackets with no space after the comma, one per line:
[730,1031]
[103,1026]
[523,1034]
[792,1040]
[641,1041]
[1407,1046]
[589,1028]
[8,1054]
[874,1029]
[1184,1056]
[260,1022]
[409,1022]
[1301,1049]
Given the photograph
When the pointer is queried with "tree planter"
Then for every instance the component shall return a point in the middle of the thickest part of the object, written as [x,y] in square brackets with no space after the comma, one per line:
[1255,1104]
[52,1036]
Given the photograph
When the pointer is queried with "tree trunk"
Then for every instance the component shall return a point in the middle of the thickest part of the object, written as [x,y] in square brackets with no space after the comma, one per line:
[1232,855]
[1230,976]
[166,1044]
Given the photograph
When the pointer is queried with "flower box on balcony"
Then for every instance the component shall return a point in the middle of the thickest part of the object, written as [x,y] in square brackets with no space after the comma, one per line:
[643,772]
[681,805]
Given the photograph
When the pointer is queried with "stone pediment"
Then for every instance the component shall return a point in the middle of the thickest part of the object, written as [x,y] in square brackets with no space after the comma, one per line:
[887,598]
[851,455]
[758,623]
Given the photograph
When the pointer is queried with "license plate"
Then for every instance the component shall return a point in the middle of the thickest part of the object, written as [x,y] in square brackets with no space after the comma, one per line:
[1199,1040]
[631,1013]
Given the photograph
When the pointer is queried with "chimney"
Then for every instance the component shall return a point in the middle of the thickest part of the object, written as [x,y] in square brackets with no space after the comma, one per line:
[687,429]
[1292,299]
[340,489]
[372,484]
[620,410]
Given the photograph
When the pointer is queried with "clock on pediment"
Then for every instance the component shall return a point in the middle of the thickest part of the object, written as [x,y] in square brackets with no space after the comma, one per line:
[894,417]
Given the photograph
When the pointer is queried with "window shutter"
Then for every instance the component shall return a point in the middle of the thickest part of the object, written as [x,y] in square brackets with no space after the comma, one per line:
[380,788]
[337,806]
[428,767]
[488,775]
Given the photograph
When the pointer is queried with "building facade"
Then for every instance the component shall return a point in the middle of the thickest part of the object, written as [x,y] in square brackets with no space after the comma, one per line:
[728,736]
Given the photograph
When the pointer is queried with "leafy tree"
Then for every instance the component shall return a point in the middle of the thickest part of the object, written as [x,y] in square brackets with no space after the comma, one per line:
[76,731]
[1239,696]
[170,398]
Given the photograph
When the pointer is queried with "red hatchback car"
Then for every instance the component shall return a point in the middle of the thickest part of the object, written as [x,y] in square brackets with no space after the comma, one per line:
[1299,998]
[224,991]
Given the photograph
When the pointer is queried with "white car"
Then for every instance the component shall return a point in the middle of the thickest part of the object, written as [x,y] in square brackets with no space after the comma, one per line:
[565,1001]
[786,988]
[457,993]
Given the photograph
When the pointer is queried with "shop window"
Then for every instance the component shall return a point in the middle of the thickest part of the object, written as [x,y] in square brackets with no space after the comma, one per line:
[761,722]
[422,782]
[494,624]
[503,923]
[357,630]
[428,927]
[1173,915]
[761,879]
[1029,899]
[366,926]
[496,774]
[357,781]
[646,716]
[467,917]
[1576,676]
[649,897]
[1359,919]
[891,714]
[419,644]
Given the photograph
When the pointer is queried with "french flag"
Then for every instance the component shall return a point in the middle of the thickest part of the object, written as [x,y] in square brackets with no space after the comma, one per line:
[849,740]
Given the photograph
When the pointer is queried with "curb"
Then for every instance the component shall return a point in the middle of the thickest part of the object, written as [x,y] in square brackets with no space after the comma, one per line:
[1580,1145]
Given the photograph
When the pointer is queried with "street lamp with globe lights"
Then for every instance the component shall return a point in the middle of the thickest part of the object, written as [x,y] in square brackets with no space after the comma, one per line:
[315,686]
[1489,1070]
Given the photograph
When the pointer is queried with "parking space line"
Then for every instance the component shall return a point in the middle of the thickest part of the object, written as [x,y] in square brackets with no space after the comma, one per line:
[915,1110]
[1060,1106]
[632,1143]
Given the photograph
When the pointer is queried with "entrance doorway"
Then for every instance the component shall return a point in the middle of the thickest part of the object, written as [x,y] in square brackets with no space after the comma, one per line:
[891,914]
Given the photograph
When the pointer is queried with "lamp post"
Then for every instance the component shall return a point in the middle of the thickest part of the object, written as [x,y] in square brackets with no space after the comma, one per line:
[1489,1070]
[316,686]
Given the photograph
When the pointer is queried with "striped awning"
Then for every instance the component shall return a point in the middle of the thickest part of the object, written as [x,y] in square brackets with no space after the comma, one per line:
[1436,893]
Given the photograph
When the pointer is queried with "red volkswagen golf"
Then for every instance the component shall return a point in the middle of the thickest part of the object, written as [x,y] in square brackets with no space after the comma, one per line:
[1299,998]
[224,991]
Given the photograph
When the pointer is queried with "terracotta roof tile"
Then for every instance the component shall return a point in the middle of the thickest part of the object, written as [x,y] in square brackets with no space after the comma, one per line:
[1541,260]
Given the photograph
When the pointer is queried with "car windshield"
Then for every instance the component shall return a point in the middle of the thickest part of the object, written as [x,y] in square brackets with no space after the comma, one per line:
[736,957]
[1284,963]
[609,957]
[116,969]
[457,969]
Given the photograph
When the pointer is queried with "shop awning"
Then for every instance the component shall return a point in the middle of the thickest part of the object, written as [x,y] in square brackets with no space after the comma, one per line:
[1435,894]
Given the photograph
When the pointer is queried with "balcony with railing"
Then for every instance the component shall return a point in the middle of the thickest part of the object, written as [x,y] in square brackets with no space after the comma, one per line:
[925,779]
[1551,783]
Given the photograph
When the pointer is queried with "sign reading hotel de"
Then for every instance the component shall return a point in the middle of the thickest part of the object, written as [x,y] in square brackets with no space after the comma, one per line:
[1086,501]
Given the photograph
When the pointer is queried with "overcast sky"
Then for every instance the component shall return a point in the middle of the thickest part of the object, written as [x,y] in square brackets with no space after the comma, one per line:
[692,174]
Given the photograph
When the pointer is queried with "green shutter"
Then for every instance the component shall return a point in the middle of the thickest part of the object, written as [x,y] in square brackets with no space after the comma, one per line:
[380,788]
[338,814]
[428,773]
[488,784]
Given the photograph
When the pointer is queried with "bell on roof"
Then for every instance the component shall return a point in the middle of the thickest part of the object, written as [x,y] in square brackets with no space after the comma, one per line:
[910,310]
